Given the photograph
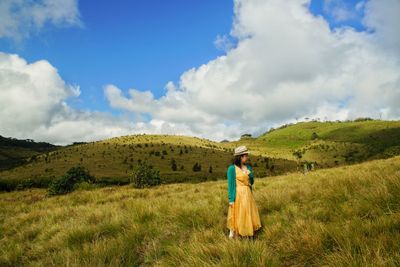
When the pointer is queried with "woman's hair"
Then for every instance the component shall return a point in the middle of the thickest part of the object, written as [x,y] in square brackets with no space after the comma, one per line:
[236,160]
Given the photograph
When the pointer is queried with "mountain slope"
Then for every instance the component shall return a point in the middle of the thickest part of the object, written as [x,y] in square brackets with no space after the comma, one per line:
[14,152]
[327,144]
[112,160]
[334,143]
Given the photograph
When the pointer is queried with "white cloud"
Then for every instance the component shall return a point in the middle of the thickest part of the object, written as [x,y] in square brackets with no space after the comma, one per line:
[287,64]
[20,18]
[30,93]
[223,42]
[339,10]
[33,105]
[142,102]
[384,18]
[360,6]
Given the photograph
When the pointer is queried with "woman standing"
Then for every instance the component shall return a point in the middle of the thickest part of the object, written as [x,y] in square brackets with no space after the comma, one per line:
[243,218]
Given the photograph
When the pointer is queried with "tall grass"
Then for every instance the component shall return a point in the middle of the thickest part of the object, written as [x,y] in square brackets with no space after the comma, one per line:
[344,216]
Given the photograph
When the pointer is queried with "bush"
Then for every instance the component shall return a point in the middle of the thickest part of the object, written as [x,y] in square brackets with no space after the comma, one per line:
[196,167]
[314,136]
[173,164]
[363,119]
[17,184]
[67,182]
[298,154]
[144,175]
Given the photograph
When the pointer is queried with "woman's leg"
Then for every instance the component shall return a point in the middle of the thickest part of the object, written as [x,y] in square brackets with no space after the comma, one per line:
[231,233]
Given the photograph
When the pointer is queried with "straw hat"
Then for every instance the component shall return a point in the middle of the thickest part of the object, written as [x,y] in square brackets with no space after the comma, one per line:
[241,150]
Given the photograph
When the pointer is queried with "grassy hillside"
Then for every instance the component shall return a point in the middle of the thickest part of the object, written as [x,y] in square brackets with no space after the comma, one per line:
[14,152]
[278,151]
[111,160]
[343,216]
[334,143]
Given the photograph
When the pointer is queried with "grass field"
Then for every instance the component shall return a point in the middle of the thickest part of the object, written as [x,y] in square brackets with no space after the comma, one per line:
[342,216]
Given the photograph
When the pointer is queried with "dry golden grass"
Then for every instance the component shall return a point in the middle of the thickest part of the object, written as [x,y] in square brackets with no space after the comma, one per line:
[344,216]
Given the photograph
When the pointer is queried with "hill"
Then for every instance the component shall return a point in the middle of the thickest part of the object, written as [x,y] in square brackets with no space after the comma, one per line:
[278,151]
[112,160]
[342,216]
[330,143]
[15,152]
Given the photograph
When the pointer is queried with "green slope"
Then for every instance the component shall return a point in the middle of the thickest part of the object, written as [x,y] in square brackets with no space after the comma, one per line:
[278,151]
[111,160]
[337,143]
[15,152]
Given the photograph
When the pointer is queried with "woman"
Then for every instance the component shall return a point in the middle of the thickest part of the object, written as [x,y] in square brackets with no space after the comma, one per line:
[243,218]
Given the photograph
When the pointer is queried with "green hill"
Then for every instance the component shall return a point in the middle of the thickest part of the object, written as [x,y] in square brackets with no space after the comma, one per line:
[111,160]
[329,143]
[278,151]
[342,216]
[15,152]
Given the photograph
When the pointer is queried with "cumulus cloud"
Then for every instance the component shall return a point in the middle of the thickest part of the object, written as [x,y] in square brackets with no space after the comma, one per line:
[223,42]
[33,104]
[383,18]
[287,63]
[342,10]
[30,93]
[20,18]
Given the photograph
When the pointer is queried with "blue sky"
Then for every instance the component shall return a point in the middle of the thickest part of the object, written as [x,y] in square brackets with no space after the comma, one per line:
[140,44]
[136,44]
[340,13]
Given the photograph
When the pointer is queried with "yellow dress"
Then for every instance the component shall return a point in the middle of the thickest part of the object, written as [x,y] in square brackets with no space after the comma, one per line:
[243,215]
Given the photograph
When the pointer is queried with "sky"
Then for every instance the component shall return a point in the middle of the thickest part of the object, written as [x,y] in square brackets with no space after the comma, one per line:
[76,71]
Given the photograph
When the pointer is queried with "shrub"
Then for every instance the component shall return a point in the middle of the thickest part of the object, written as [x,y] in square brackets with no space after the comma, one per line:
[363,119]
[66,183]
[196,167]
[297,154]
[173,165]
[144,175]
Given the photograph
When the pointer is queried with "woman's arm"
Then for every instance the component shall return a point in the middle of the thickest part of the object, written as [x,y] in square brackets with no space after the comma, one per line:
[231,184]
[251,176]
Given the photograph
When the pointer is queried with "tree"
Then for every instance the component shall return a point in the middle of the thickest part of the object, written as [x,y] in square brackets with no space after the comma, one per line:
[196,167]
[66,183]
[173,165]
[143,175]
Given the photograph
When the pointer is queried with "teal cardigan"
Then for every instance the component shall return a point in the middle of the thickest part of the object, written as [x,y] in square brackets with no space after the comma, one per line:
[231,174]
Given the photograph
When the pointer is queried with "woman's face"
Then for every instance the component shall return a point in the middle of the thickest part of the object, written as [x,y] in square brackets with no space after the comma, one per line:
[245,158]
